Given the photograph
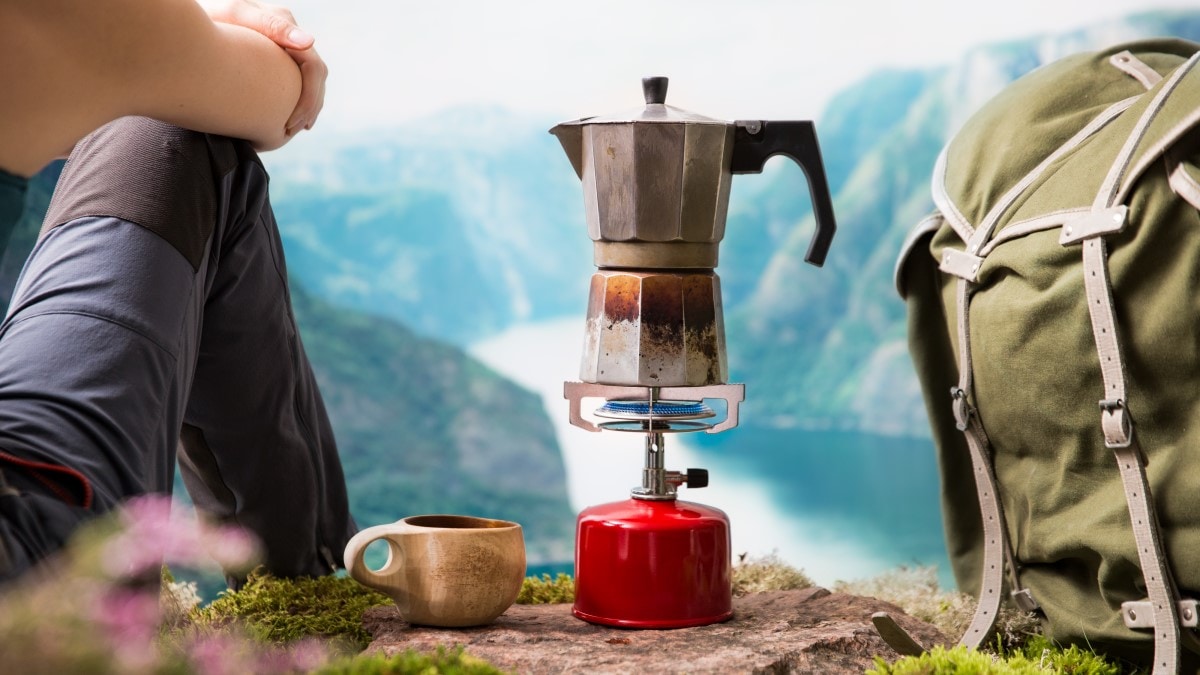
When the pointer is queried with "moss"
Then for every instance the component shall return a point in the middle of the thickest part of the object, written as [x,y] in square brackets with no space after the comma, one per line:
[448,662]
[768,573]
[281,611]
[1038,656]
[547,591]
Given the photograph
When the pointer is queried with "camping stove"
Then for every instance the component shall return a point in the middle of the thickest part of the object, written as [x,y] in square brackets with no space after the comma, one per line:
[656,193]
[654,561]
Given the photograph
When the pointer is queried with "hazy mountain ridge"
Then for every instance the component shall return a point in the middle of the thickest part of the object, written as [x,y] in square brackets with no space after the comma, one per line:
[424,428]
[502,208]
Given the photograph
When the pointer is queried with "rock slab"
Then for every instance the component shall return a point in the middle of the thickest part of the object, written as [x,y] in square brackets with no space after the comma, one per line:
[804,631]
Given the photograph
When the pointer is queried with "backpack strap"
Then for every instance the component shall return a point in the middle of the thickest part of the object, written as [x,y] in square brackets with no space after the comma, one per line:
[1108,215]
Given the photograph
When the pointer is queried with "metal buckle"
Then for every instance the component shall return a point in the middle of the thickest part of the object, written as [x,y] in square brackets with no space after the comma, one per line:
[962,410]
[1122,435]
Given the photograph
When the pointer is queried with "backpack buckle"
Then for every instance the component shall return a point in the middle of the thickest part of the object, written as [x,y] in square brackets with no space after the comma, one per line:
[1116,422]
[962,410]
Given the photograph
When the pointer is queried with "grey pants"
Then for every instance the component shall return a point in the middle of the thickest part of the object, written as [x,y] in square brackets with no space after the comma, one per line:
[154,315]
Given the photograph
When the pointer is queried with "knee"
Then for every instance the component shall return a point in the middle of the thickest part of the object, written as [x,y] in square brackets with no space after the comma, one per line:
[161,177]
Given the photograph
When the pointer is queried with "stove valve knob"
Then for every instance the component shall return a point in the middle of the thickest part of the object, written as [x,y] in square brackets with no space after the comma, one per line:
[694,478]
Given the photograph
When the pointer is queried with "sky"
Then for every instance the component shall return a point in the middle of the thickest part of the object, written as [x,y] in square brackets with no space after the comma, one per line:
[393,61]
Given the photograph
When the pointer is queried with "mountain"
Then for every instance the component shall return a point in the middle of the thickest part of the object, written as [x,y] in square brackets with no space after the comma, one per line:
[459,225]
[424,428]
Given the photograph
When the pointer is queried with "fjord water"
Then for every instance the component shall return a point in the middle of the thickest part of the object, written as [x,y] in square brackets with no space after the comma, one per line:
[842,505]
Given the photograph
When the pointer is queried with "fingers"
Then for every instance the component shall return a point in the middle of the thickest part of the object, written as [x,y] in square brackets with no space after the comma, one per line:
[273,21]
[278,24]
[313,73]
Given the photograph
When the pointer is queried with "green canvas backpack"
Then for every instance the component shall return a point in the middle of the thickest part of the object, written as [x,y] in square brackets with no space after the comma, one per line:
[1054,322]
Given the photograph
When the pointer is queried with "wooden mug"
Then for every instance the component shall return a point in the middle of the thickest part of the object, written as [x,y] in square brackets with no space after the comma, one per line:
[444,570]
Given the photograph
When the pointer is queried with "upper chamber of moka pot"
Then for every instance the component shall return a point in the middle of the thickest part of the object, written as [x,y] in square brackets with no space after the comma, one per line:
[656,193]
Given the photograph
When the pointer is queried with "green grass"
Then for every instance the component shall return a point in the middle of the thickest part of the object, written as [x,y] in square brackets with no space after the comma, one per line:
[443,661]
[1038,656]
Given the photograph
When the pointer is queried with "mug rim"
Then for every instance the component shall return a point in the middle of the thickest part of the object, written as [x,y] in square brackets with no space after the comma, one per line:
[443,521]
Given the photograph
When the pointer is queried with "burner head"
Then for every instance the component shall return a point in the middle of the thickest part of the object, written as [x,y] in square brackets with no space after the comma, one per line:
[662,417]
[656,329]
[645,410]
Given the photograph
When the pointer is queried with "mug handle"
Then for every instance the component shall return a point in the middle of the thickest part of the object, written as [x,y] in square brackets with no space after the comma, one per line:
[356,548]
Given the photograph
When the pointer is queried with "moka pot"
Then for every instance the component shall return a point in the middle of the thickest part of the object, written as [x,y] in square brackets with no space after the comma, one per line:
[656,187]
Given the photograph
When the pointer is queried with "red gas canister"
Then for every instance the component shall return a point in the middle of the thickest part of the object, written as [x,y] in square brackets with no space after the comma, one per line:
[652,564]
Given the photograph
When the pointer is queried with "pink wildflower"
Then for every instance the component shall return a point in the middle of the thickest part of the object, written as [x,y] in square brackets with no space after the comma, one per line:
[220,655]
[129,620]
[231,547]
[151,536]
[154,532]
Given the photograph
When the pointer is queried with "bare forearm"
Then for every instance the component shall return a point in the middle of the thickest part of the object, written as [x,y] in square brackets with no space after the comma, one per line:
[69,66]
[242,85]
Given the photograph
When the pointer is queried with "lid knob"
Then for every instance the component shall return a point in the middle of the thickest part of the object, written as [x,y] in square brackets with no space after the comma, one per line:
[654,89]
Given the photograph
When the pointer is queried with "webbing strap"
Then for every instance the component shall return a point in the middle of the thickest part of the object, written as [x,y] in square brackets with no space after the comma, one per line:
[1114,416]
[1159,584]
[1115,420]
[996,550]
[995,536]
[1117,426]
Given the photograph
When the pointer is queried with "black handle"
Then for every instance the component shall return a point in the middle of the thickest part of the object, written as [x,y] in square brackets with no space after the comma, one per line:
[755,142]
[697,478]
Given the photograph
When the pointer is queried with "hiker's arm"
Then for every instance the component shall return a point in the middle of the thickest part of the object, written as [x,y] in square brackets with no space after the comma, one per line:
[228,80]
[68,66]
[277,23]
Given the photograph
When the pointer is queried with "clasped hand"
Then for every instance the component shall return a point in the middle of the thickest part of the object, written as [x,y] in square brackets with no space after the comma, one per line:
[277,23]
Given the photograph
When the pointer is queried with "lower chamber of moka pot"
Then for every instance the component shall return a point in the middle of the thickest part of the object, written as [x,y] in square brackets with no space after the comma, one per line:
[652,564]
